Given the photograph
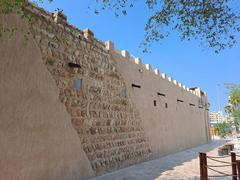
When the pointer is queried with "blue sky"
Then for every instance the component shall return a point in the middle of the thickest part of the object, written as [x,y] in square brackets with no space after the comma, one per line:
[187,61]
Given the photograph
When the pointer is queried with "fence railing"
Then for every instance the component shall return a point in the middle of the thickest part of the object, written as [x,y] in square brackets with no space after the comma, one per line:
[205,166]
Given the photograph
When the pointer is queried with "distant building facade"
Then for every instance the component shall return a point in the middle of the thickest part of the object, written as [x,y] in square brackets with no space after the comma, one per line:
[73,107]
[218,117]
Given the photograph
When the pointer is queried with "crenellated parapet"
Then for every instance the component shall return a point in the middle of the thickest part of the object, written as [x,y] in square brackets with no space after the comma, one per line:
[59,21]
[92,91]
[87,35]
[117,107]
[156,72]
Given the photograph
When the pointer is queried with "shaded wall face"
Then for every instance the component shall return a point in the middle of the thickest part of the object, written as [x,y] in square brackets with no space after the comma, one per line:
[76,105]
[94,93]
[174,119]
[37,139]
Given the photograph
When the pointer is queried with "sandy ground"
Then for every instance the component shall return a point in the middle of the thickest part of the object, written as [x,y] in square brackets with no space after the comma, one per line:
[183,165]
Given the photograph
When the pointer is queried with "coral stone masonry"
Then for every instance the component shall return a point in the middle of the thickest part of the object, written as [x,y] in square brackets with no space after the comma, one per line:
[122,111]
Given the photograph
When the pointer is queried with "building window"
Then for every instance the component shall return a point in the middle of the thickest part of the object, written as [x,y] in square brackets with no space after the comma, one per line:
[74,65]
[161,94]
[155,103]
[179,100]
[166,105]
[136,86]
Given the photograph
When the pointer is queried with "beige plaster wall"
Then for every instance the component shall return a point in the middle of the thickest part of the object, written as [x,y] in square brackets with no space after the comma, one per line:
[178,127]
[107,122]
[51,130]
[37,139]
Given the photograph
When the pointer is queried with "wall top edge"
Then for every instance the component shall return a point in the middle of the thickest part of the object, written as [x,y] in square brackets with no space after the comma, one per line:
[127,56]
[61,20]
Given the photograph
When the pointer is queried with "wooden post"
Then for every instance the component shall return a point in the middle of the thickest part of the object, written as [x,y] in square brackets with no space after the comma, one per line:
[238,168]
[203,166]
[234,166]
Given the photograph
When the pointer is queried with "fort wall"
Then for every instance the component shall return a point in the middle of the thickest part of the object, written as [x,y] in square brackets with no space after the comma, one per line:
[175,116]
[37,138]
[116,110]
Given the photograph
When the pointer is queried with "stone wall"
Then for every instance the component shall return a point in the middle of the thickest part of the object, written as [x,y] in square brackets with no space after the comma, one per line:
[115,124]
[93,91]
[37,139]
[175,116]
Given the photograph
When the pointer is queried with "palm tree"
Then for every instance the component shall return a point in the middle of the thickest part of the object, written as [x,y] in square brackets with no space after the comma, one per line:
[233,109]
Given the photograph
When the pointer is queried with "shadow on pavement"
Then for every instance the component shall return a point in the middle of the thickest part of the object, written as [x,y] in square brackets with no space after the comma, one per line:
[155,168]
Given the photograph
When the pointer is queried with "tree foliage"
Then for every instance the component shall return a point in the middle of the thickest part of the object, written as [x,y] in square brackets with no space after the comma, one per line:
[223,129]
[14,6]
[234,94]
[233,109]
[236,115]
[213,22]
[7,7]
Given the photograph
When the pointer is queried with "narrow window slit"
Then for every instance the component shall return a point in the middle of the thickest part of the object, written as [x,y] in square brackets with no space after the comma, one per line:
[73,65]
[161,94]
[155,103]
[179,100]
[136,86]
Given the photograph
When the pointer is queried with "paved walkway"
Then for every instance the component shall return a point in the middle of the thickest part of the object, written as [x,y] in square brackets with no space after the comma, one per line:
[179,166]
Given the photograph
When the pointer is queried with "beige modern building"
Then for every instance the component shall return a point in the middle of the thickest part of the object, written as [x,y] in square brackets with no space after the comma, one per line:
[218,117]
[73,107]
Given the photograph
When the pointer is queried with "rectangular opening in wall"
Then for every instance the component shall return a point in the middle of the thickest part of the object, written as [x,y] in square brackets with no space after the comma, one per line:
[200,107]
[77,84]
[136,86]
[179,100]
[73,65]
[155,103]
[190,104]
[123,93]
[161,94]
[166,105]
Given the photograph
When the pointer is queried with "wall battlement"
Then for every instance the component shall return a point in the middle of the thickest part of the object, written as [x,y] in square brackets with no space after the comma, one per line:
[61,20]
[86,108]
[126,55]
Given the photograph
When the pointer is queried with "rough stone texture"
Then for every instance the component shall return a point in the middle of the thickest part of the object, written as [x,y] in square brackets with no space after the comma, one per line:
[37,139]
[108,122]
[109,126]
[173,128]
[182,165]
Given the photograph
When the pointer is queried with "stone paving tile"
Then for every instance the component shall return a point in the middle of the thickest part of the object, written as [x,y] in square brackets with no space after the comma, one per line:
[179,166]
